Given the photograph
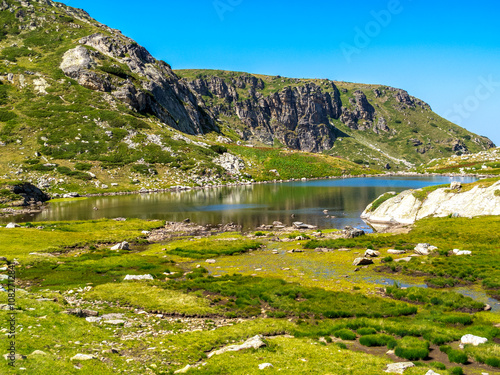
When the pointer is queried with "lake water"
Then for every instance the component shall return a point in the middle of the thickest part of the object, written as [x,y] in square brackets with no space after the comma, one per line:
[248,205]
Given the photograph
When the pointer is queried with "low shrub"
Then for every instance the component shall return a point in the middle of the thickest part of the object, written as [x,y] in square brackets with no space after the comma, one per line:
[366,331]
[83,166]
[457,356]
[456,371]
[412,348]
[376,340]
[438,365]
[345,334]
[218,149]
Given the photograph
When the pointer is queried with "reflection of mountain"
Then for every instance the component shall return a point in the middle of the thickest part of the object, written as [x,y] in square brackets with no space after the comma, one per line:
[249,205]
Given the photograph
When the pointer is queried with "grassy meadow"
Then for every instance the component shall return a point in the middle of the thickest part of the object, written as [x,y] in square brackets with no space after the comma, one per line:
[315,312]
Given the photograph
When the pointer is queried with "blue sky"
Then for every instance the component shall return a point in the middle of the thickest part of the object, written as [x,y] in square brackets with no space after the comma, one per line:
[446,53]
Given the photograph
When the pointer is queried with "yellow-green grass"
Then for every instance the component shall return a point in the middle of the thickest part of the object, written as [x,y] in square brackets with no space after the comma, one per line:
[296,356]
[20,242]
[151,298]
[59,200]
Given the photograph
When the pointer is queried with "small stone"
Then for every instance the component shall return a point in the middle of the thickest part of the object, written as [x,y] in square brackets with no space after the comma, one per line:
[362,261]
[82,357]
[183,370]
[12,225]
[263,366]
[138,277]
[210,261]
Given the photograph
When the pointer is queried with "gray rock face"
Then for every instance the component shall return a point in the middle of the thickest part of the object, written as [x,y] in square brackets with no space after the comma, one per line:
[405,208]
[30,193]
[159,91]
[297,117]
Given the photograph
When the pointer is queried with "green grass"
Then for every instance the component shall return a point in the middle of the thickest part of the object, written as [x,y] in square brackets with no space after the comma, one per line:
[58,236]
[210,249]
[412,348]
[247,294]
[151,298]
[449,300]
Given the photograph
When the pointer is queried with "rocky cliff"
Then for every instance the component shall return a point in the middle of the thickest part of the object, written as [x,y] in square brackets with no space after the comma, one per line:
[478,199]
[381,123]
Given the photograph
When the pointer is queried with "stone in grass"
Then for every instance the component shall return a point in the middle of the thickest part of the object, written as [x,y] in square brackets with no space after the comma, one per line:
[121,246]
[210,261]
[399,368]
[372,253]
[254,342]
[82,357]
[37,352]
[462,252]
[183,370]
[473,340]
[362,262]
[12,225]
[138,277]
[263,366]
[396,252]
[430,372]
[18,357]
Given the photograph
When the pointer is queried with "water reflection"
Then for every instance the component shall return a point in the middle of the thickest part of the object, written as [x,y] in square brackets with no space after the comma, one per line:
[248,205]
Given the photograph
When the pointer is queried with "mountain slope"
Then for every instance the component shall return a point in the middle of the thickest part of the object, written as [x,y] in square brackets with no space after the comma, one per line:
[363,122]
[84,108]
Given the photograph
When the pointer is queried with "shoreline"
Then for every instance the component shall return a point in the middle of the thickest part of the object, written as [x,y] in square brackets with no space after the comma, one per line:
[303,179]
[24,210]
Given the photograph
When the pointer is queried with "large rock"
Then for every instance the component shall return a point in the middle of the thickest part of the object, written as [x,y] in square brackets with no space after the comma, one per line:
[121,246]
[252,343]
[362,261]
[405,208]
[399,368]
[473,340]
[350,232]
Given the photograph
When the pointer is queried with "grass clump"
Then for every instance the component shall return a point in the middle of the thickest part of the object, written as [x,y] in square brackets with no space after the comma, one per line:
[201,249]
[151,298]
[289,299]
[378,339]
[345,334]
[448,300]
[412,348]
[457,356]
[488,353]
[366,331]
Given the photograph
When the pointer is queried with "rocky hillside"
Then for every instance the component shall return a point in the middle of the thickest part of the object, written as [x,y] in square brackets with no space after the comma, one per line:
[484,162]
[471,200]
[84,108]
[374,124]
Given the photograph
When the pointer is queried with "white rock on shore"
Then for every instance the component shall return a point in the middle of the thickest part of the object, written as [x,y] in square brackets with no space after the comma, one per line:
[405,208]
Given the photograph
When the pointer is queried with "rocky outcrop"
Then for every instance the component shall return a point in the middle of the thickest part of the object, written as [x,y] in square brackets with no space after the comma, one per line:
[159,90]
[297,117]
[407,207]
[29,194]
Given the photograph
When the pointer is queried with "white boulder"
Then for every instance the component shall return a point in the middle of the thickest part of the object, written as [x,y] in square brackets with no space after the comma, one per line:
[473,340]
